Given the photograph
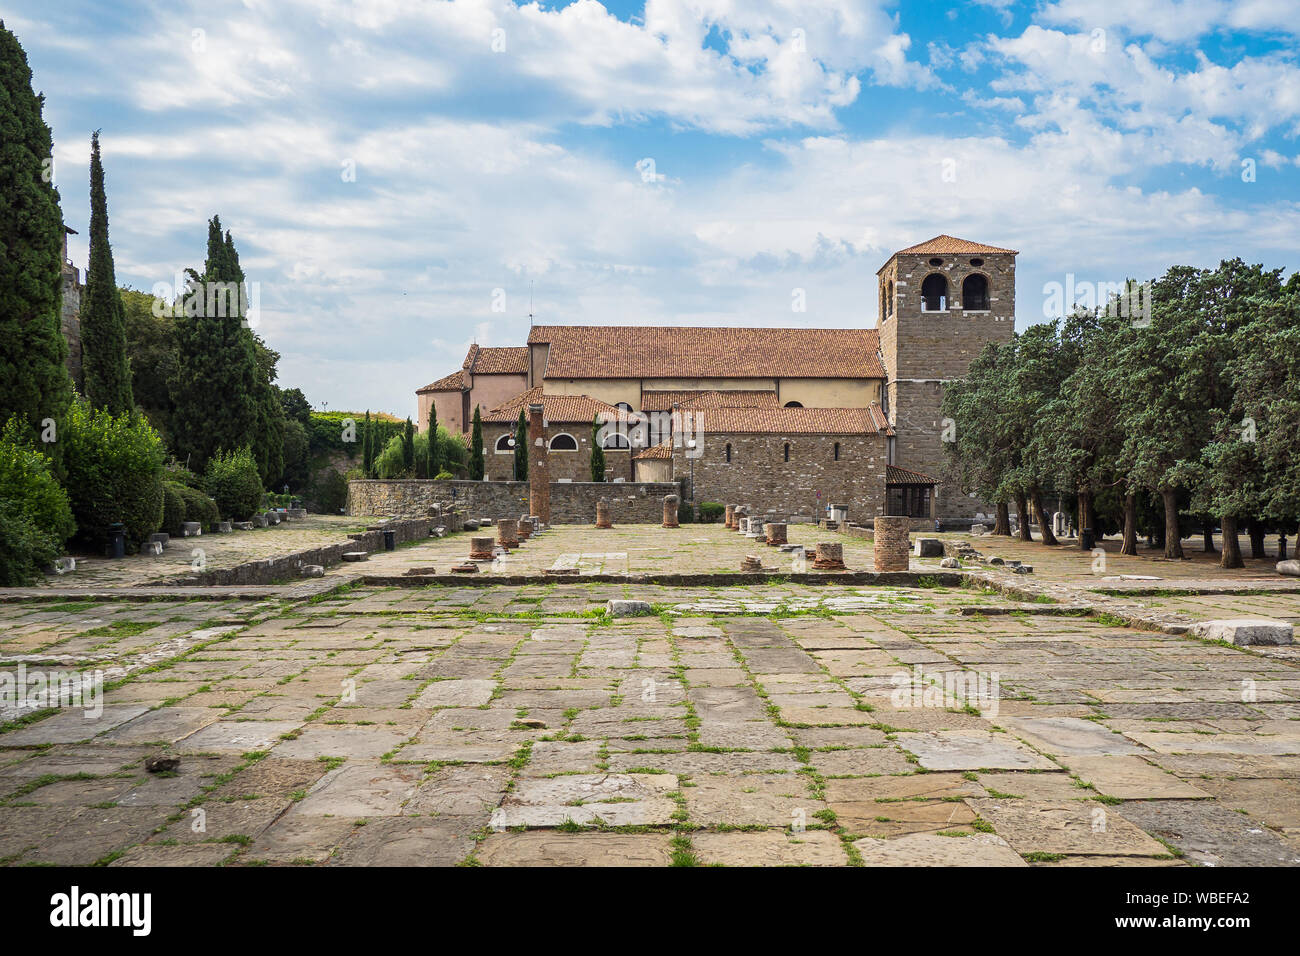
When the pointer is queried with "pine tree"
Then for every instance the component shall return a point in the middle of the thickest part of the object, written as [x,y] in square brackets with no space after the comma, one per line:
[217,385]
[521,448]
[34,383]
[105,367]
[476,447]
[597,452]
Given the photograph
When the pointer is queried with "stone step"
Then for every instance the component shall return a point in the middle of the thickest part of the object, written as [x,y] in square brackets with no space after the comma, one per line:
[356,555]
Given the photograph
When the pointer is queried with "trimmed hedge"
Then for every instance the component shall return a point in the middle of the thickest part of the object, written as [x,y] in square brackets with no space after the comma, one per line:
[114,469]
[35,517]
[234,482]
[711,512]
[173,506]
[199,507]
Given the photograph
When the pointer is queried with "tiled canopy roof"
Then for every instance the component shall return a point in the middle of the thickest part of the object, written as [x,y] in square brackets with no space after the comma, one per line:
[948,246]
[662,451]
[497,361]
[568,409]
[662,401]
[905,476]
[455,382]
[585,351]
[788,421]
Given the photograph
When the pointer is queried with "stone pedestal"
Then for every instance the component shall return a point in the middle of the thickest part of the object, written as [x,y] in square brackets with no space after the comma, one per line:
[829,556]
[670,510]
[539,466]
[775,531]
[729,517]
[507,533]
[480,549]
[891,546]
[737,517]
[524,529]
[602,514]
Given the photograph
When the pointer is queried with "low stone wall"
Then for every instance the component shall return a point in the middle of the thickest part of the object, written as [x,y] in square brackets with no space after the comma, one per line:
[639,502]
[288,566]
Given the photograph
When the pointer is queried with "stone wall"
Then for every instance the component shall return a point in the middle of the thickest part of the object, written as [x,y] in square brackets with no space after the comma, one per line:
[571,502]
[758,473]
[573,465]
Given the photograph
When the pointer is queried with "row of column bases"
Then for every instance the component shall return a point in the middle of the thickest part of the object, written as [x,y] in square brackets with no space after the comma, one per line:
[891,547]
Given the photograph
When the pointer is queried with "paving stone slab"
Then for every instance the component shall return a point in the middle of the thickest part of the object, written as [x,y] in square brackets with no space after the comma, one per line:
[914,786]
[361,789]
[1043,787]
[585,799]
[1070,736]
[696,763]
[340,741]
[1083,828]
[238,735]
[191,855]
[575,849]
[71,726]
[770,848]
[1132,778]
[408,841]
[928,849]
[972,750]
[1210,834]
[779,800]
[894,818]
[471,790]
[870,760]
[1170,743]
[219,819]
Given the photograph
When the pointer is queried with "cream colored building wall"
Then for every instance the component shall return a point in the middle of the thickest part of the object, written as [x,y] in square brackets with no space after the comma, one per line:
[809,392]
[830,392]
[447,406]
[489,391]
[653,469]
[611,390]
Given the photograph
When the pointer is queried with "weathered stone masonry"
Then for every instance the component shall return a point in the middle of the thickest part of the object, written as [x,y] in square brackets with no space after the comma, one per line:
[571,502]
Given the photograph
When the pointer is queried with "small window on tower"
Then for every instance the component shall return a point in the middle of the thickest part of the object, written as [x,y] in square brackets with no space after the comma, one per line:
[936,262]
[837,451]
[977,262]
[787,451]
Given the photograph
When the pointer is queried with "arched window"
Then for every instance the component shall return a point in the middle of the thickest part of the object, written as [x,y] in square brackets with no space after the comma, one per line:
[624,407]
[794,404]
[934,293]
[787,451]
[505,445]
[615,440]
[837,451]
[564,442]
[975,293]
[728,452]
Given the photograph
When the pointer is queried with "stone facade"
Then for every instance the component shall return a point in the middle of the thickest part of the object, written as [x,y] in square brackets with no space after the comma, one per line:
[567,465]
[571,502]
[759,473]
[925,347]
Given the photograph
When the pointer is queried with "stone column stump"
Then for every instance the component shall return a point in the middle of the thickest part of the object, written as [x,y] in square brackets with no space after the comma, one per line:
[892,545]
[670,510]
[524,529]
[602,514]
[507,533]
[829,556]
[776,531]
[480,549]
[729,518]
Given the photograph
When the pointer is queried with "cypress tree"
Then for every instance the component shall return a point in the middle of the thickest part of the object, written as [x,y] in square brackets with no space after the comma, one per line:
[476,447]
[521,448]
[435,450]
[34,383]
[217,387]
[367,449]
[408,447]
[597,452]
[106,371]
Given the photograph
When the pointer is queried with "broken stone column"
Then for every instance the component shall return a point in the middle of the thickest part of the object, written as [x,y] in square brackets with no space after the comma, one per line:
[829,556]
[524,529]
[729,517]
[891,545]
[738,516]
[751,562]
[507,533]
[480,549]
[775,531]
[602,514]
[539,467]
[670,510]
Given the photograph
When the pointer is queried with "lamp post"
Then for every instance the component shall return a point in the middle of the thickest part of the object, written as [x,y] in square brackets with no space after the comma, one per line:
[690,447]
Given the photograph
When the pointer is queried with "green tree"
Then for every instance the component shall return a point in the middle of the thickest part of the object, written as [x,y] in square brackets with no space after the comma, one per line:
[597,452]
[105,368]
[434,464]
[408,447]
[521,447]
[367,448]
[476,447]
[152,356]
[987,441]
[34,383]
[295,406]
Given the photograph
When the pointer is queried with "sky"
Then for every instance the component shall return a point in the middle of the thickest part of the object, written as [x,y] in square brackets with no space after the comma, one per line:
[405,177]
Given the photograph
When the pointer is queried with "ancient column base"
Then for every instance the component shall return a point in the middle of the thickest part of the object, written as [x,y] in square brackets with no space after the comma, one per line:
[480,549]
[830,556]
[671,503]
[890,546]
[508,533]
[602,514]
[776,533]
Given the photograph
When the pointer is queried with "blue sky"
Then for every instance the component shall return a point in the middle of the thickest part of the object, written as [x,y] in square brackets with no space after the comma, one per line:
[792,144]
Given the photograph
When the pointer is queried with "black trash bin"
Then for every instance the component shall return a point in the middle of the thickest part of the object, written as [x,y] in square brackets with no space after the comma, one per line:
[390,539]
[1087,539]
[117,540]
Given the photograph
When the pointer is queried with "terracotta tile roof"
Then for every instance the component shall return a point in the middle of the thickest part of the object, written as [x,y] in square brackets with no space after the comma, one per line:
[663,451]
[662,401]
[567,409]
[948,246]
[905,476]
[497,361]
[880,419]
[455,382]
[786,421]
[641,351]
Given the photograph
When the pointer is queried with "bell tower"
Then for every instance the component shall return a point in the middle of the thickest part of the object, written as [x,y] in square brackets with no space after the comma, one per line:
[941,302]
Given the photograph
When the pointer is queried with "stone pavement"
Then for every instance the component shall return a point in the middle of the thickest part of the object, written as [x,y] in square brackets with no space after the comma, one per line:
[775,724]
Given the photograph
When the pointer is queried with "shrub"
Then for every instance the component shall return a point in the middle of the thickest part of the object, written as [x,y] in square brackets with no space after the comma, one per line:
[35,518]
[114,468]
[198,506]
[685,513]
[173,506]
[444,476]
[234,482]
[332,491]
[391,463]
[711,512]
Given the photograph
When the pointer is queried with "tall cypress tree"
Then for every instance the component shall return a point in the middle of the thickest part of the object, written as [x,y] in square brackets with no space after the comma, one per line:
[521,447]
[408,447]
[597,452]
[105,368]
[435,450]
[216,387]
[367,449]
[476,447]
[34,383]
